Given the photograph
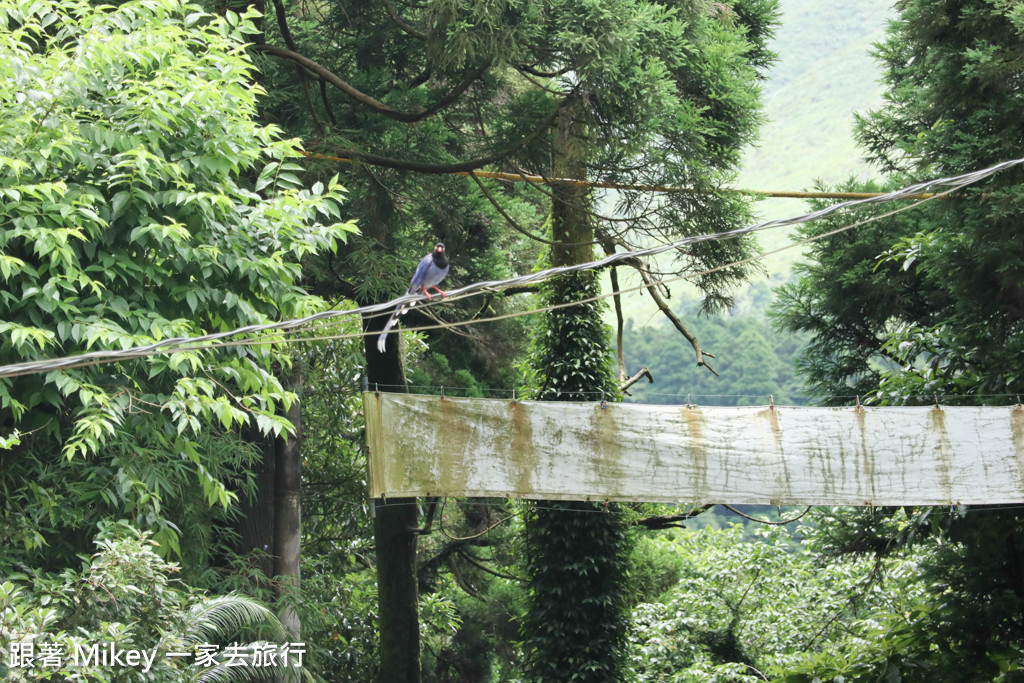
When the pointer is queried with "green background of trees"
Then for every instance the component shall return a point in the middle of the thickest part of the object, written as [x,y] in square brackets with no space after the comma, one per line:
[143,198]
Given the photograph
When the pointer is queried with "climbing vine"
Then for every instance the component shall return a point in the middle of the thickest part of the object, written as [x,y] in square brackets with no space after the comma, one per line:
[576,626]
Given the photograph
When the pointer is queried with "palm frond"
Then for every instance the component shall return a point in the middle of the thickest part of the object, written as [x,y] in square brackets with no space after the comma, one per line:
[220,618]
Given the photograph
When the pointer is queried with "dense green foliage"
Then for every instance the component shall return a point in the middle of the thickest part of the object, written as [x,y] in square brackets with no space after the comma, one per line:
[131,215]
[848,300]
[753,610]
[925,306]
[953,109]
[125,594]
[753,363]
[959,617]
[140,202]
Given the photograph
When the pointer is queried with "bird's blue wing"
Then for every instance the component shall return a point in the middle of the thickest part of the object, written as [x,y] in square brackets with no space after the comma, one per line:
[420,275]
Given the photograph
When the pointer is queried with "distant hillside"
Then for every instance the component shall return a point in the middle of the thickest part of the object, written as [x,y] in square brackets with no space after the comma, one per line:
[823,75]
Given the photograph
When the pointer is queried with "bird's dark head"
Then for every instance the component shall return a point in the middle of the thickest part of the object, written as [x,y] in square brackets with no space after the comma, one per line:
[439,249]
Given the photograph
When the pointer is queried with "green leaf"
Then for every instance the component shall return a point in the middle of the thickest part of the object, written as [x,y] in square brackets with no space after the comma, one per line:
[117,205]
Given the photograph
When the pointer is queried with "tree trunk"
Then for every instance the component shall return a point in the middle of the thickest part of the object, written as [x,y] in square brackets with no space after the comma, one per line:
[255,525]
[571,225]
[394,530]
[288,509]
[576,624]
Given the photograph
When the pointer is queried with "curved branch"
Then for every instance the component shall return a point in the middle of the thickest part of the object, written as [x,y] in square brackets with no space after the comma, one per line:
[289,40]
[652,288]
[508,219]
[464,554]
[460,579]
[282,23]
[526,68]
[341,84]
[329,76]
[440,169]
[327,103]
[402,23]
[627,383]
[781,522]
[455,92]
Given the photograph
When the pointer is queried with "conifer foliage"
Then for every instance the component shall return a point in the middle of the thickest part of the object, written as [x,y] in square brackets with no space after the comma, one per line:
[929,306]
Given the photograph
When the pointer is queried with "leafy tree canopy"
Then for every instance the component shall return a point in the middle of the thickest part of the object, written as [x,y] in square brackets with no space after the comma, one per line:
[458,85]
[140,202]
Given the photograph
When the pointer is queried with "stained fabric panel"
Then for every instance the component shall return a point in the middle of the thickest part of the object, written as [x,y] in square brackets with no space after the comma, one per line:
[433,446]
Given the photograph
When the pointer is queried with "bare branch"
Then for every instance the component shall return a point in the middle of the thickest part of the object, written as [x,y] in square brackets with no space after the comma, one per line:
[669,521]
[441,169]
[652,288]
[627,383]
[617,299]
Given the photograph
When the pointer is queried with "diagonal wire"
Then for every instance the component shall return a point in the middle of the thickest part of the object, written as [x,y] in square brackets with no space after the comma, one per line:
[281,338]
[177,344]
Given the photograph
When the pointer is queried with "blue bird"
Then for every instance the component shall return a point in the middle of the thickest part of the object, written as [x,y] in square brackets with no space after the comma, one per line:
[432,269]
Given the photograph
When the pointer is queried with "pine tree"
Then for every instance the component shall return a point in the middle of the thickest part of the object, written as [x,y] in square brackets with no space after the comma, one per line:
[931,305]
[668,92]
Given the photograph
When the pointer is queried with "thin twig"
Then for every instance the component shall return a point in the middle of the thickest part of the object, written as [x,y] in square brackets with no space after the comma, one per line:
[652,288]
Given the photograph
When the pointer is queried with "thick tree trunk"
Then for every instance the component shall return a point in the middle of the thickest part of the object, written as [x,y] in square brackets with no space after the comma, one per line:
[571,224]
[288,508]
[394,530]
[575,627]
[255,525]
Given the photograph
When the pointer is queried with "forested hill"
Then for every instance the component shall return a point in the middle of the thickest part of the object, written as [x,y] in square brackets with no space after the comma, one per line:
[824,74]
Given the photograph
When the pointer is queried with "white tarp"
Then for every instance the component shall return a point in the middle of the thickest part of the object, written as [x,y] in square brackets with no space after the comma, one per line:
[429,446]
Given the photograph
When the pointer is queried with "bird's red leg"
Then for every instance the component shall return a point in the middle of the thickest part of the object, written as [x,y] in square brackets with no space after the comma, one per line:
[443,293]
[427,293]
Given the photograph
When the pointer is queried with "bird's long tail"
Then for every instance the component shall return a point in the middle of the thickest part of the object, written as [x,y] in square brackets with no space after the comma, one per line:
[382,339]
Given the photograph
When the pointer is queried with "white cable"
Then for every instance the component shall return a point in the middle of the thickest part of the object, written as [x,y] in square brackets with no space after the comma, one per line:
[168,345]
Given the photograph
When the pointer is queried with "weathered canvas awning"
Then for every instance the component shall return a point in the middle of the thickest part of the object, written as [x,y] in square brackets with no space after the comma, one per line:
[429,446]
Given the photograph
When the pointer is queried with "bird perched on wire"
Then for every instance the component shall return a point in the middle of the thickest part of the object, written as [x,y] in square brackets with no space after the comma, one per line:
[432,269]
